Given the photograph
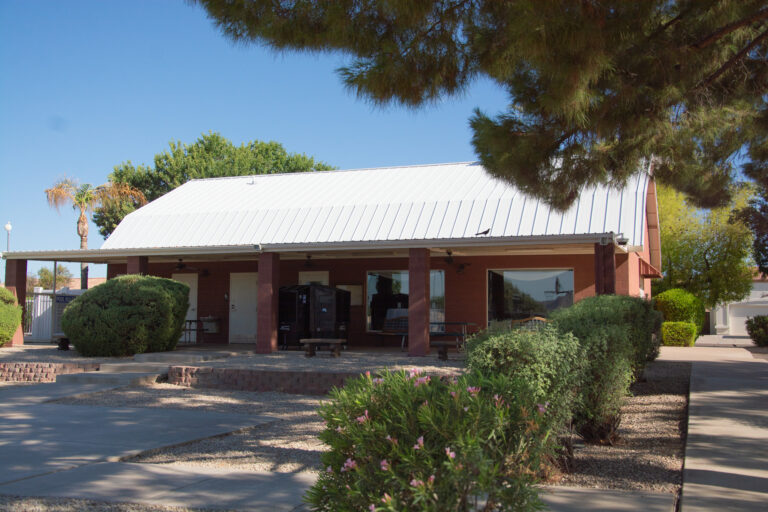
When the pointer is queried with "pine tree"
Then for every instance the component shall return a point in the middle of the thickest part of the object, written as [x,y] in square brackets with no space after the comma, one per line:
[596,88]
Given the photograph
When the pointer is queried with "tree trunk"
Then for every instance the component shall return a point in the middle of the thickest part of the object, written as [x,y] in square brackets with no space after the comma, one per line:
[82,230]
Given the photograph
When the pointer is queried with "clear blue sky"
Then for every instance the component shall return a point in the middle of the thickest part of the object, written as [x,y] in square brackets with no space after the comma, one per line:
[86,85]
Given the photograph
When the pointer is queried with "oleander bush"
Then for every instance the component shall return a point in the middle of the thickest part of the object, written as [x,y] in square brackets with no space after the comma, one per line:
[678,305]
[406,441]
[757,328]
[10,315]
[127,315]
[551,362]
[678,334]
[610,344]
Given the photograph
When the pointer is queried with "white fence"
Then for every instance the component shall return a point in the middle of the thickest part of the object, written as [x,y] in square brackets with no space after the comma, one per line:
[44,319]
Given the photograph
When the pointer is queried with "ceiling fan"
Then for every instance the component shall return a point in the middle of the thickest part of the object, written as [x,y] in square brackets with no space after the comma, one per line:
[183,266]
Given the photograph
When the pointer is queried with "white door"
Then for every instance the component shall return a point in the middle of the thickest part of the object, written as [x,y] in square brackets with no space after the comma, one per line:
[243,299]
[191,281]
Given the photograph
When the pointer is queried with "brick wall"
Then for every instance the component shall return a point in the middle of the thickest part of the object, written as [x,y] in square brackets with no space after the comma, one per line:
[299,382]
[41,372]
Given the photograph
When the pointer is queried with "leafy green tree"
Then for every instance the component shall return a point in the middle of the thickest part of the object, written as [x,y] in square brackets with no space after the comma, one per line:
[703,251]
[595,88]
[210,156]
[45,277]
[85,198]
[755,215]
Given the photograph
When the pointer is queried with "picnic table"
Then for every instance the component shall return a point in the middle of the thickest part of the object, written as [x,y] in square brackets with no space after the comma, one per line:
[398,326]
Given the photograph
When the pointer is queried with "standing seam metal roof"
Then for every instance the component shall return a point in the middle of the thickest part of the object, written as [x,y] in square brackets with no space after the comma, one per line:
[426,202]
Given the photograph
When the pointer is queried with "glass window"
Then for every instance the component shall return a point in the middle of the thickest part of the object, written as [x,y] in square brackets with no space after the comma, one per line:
[387,297]
[521,294]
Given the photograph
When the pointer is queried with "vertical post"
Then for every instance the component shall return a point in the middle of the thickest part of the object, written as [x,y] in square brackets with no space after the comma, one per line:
[16,282]
[266,314]
[138,265]
[605,269]
[418,302]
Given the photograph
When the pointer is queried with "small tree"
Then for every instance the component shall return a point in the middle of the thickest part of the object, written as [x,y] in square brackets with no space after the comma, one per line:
[85,198]
[45,277]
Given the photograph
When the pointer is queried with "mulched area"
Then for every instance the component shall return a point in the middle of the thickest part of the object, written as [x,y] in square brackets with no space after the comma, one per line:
[650,452]
[24,504]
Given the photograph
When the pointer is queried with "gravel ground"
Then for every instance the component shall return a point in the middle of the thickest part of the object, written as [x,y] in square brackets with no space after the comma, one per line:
[24,504]
[649,455]
[51,354]
[285,445]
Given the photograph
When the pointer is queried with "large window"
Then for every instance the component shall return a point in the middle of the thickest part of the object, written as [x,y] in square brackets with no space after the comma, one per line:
[521,294]
[387,297]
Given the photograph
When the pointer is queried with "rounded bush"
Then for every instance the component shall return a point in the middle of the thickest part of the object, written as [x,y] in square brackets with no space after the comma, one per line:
[551,362]
[127,315]
[678,305]
[678,334]
[407,441]
[10,315]
[757,327]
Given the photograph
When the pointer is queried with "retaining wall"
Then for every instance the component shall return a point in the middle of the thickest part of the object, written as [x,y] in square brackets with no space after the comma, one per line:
[242,379]
[41,372]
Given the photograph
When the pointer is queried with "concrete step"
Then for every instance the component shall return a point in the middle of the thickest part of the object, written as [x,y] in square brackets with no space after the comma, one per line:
[133,368]
[117,379]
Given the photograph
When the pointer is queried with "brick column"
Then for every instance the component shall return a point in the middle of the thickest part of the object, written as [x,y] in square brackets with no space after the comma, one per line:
[605,269]
[266,314]
[16,282]
[138,265]
[418,302]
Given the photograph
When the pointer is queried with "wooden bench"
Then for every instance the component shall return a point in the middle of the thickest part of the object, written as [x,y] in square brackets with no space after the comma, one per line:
[458,330]
[310,345]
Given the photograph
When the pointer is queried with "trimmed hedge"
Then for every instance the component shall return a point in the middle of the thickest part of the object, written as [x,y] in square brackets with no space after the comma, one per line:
[407,441]
[127,315]
[757,327]
[678,334]
[678,305]
[10,315]
[616,333]
[551,362]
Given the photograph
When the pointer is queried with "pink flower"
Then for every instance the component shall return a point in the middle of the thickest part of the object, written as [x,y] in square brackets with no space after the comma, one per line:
[349,465]
[391,439]
[363,418]
[372,507]
[367,373]
[431,479]
[473,390]
[426,403]
[542,407]
[339,429]
[329,469]
[417,483]
[449,453]
[384,465]
[466,409]
[378,380]
[386,499]
[419,443]
[453,394]
[413,372]
[421,380]
[499,401]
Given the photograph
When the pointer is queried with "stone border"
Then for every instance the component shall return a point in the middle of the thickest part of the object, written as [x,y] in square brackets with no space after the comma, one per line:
[243,379]
[41,372]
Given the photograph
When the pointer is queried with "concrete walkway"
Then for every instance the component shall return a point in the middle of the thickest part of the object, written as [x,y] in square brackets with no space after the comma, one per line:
[726,457]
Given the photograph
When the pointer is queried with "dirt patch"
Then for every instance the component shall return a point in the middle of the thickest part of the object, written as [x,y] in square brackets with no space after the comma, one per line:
[649,455]
[26,504]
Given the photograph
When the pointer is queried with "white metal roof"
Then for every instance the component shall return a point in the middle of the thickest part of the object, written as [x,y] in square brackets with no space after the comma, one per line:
[396,204]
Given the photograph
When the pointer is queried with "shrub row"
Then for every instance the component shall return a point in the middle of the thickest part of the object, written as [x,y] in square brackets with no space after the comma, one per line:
[757,328]
[678,305]
[678,334]
[127,315]
[10,315]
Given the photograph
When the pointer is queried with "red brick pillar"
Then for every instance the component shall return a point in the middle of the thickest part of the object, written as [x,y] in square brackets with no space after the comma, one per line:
[138,265]
[266,314]
[418,302]
[605,269]
[16,282]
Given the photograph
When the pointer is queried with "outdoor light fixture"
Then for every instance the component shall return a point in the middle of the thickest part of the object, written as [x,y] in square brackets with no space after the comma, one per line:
[622,240]
[8,228]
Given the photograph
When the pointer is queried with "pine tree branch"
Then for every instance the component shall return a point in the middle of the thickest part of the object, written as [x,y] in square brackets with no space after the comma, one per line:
[733,60]
[727,29]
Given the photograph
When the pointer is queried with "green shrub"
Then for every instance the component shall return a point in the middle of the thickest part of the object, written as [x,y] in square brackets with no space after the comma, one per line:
[606,336]
[405,441]
[551,362]
[678,334]
[757,327]
[678,305]
[10,315]
[127,315]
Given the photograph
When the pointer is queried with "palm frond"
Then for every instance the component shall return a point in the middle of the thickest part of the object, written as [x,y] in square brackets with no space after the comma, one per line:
[113,192]
[62,193]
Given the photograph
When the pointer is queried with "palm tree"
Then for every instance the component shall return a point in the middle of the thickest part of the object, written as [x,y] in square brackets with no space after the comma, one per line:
[86,198]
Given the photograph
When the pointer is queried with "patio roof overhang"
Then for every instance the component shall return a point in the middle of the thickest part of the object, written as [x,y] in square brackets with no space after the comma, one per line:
[560,244]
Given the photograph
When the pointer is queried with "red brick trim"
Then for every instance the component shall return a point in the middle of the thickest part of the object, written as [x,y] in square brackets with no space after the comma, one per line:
[41,372]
